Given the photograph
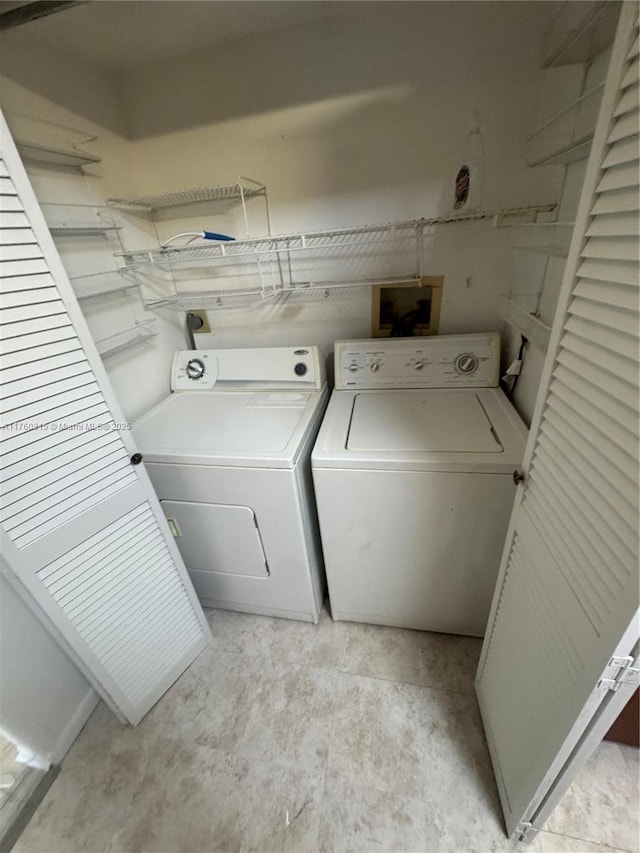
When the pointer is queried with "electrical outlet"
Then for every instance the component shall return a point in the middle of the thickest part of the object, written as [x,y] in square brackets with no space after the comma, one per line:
[205,327]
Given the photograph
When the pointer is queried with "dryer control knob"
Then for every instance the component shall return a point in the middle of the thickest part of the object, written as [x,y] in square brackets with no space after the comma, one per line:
[195,368]
[466,363]
[300,368]
[418,365]
[352,367]
[375,365]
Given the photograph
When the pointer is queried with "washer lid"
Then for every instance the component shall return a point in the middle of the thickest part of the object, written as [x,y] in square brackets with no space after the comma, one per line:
[423,421]
[459,430]
[262,429]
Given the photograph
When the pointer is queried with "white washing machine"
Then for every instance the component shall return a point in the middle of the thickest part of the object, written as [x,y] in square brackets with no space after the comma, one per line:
[413,471]
[228,453]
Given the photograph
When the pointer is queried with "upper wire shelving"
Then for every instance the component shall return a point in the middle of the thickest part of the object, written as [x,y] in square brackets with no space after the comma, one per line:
[226,195]
[103,283]
[579,31]
[77,220]
[127,338]
[47,142]
[295,264]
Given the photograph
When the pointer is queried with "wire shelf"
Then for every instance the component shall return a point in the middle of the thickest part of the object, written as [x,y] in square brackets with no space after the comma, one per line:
[329,240]
[199,195]
[579,32]
[102,283]
[578,150]
[71,229]
[47,142]
[237,297]
[121,341]
[528,324]
[550,250]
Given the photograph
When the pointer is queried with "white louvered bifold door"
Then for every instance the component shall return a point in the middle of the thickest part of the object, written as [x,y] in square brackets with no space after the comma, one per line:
[566,601]
[83,537]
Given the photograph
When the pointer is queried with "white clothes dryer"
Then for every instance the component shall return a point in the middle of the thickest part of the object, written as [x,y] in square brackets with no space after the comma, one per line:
[228,454]
[413,471]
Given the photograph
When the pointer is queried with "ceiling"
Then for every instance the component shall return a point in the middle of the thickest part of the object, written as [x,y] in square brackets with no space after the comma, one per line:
[121,33]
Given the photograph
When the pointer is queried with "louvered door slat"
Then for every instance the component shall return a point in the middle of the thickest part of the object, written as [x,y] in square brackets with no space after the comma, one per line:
[12,317]
[81,457]
[622,434]
[35,281]
[600,356]
[28,296]
[602,315]
[37,353]
[69,586]
[42,330]
[633,74]
[10,219]
[43,368]
[623,410]
[97,544]
[619,177]
[19,392]
[626,463]
[616,272]
[616,201]
[19,442]
[585,490]
[599,291]
[616,248]
[569,573]
[12,236]
[46,408]
[624,224]
[558,446]
[626,126]
[624,151]
[629,101]
[21,252]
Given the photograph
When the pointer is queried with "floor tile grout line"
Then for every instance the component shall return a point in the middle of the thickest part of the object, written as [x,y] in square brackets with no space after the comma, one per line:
[602,844]
[340,671]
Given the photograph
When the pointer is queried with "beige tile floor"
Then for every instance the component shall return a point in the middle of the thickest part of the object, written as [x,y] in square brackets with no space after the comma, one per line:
[291,737]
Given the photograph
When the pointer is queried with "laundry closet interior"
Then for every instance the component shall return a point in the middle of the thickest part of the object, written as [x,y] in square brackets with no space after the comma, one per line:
[254,218]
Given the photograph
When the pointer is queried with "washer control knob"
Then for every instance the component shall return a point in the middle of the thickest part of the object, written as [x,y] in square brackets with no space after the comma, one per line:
[375,365]
[418,365]
[195,368]
[300,369]
[466,363]
[352,367]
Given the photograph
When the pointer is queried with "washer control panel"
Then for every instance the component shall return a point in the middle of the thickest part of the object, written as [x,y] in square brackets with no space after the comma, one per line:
[258,368]
[194,370]
[442,361]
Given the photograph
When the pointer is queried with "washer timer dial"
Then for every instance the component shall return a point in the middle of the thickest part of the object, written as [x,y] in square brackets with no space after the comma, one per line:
[466,363]
[195,368]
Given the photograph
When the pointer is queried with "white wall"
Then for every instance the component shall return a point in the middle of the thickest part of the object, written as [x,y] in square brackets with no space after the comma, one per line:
[359,118]
[44,699]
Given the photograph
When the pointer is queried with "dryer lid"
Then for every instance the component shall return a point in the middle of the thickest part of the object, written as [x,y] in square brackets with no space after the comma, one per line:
[259,429]
[421,421]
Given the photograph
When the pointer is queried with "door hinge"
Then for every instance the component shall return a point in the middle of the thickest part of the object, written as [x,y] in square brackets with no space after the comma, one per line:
[524,830]
[625,673]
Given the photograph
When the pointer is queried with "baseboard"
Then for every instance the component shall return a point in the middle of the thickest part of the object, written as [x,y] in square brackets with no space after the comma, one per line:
[31,793]
[75,726]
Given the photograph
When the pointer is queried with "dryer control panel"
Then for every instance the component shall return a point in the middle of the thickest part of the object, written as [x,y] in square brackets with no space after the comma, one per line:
[241,369]
[442,361]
